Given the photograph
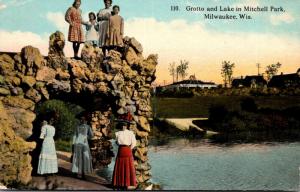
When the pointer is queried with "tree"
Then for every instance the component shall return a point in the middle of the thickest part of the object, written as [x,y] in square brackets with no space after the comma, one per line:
[272,70]
[226,72]
[66,117]
[182,68]
[172,70]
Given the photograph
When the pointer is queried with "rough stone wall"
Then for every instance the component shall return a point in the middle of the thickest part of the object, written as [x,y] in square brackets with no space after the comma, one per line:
[14,159]
[123,79]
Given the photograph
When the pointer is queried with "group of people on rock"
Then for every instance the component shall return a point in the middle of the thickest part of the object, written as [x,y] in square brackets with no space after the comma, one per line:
[104,30]
[124,176]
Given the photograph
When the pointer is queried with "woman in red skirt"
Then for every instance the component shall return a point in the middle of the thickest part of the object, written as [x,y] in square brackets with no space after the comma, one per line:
[124,171]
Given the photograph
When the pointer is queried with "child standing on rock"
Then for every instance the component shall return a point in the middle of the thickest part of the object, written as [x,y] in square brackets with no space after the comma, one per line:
[116,29]
[92,28]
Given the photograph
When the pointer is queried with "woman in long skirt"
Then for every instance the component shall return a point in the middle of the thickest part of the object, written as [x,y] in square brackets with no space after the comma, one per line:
[76,35]
[82,158]
[47,159]
[124,171]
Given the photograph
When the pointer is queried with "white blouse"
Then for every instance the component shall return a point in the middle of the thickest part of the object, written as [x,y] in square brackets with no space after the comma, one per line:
[91,32]
[126,137]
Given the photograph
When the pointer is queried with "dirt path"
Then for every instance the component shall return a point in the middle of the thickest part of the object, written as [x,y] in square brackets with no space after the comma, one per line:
[65,180]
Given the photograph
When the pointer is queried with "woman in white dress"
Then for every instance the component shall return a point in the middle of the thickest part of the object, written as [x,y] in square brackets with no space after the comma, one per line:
[47,159]
[103,19]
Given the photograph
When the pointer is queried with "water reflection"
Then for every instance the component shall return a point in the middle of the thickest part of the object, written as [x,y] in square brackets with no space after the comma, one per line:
[203,165]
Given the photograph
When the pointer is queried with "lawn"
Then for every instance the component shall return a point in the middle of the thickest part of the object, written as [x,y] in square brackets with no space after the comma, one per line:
[199,106]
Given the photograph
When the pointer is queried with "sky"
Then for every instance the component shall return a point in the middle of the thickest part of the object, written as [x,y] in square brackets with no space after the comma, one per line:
[267,38]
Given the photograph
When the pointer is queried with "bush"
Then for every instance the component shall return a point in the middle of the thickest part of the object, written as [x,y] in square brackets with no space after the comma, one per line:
[248,104]
[66,120]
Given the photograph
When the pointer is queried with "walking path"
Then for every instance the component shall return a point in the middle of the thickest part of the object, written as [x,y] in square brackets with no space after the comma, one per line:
[65,180]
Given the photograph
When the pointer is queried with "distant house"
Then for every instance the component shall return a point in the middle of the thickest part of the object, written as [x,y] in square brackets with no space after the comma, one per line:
[190,84]
[285,80]
[252,81]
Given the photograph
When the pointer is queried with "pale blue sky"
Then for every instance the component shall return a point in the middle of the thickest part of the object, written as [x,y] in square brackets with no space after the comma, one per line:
[31,14]
[268,38]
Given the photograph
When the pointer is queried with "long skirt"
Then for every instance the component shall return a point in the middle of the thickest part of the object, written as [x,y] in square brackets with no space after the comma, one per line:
[124,171]
[82,159]
[48,159]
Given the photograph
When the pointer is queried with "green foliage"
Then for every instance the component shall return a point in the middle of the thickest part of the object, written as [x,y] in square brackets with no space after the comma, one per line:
[248,104]
[62,145]
[66,120]
[252,124]
[176,93]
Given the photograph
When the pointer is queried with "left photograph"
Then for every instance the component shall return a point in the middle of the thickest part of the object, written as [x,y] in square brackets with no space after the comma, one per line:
[75,89]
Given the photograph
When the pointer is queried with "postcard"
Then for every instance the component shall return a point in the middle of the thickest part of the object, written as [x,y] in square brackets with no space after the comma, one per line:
[150,95]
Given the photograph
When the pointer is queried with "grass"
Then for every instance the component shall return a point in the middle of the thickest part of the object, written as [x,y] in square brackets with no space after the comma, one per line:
[62,145]
[199,106]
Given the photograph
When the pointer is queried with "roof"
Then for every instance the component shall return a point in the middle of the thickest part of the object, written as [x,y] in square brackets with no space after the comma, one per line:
[283,80]
[193,82]
[247,81]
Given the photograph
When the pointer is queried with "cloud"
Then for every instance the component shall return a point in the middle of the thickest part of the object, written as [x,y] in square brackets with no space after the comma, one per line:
[58,20]
[281,18]
[2,6]
[14,41]
[206,49]
[19,2]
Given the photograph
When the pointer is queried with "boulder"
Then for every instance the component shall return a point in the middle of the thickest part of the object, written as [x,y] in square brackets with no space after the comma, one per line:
[18,102]
[13,80]
[92,56]
[62,75]
[77,85]
[134,43]
[21,121]
[144,123]
[57,44]
[131,56]
[149,65]
[44,93]
[59,86]
[33,95]
[28,81]
[45,74]
[6,64]
[56,56]
[32,59]
[18,63]
[2,80]
[78,71]
[4,91]
[15,159]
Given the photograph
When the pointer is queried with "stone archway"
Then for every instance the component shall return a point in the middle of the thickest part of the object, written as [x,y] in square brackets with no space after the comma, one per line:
[119,83]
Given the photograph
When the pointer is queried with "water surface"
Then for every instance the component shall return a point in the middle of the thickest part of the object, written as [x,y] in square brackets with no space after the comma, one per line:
[201,165]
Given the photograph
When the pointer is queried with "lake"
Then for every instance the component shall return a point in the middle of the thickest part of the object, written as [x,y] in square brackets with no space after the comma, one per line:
[180,164]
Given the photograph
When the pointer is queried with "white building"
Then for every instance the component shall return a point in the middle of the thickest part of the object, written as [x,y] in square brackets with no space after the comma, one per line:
[190,84]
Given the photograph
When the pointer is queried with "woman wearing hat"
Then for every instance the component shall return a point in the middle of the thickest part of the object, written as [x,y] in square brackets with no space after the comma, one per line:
[124,171]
